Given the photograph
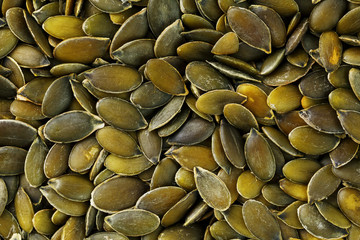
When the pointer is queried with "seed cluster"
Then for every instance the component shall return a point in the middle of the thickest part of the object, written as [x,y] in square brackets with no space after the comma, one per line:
[179,119]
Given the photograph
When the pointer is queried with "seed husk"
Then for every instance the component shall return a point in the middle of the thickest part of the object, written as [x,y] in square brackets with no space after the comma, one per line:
[218,199]
[295,190]
[134,222]
[68,123]
[316,224]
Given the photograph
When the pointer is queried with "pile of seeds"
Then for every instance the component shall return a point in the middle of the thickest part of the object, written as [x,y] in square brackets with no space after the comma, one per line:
[179,119]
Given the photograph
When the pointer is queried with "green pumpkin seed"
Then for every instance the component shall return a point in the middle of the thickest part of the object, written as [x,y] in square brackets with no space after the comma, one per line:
[46,11]
[348,200]
[344,152]
[59,218]
[64,205]
[298,58]
[350,40]
[68,68]
[181,232]
[195,51]
[9,225]
[24,210]
[240,117]
[227,44]
[60,88]
[193,21]
[316,224]
[347,118]
[300,170]
[77,49]
[16,133]
[56,161]
[103,176]
[17,76]
[4,195]
[348,172]
[91,26]
[272,62]
[344,99]
[275,195]
[289,215]
[218,199]
[320,21]
[296,36]
[126,166]
[249,186]
[295,190]
[160,200]
[330,49]
[203,35]
[218,151]
[254,212]
[237,64]
[104,235]
[332,214]
[42,222]
[98,164]
[11,41]
[317,189]
[158,19]
[128,190]
[349,24]
[28,56]
[111,6]
[259,156]
[314,116]
[12,160]
[68,123]
[232,73]
[83,96]
[140,96]
[128,222]
[35,90]
[289,92]
[351,56]
[222,230]
[71,224]
[26,110]
[16,22]
[167,113]
[72,187]
[120,114]
[118,142]
[192,156]
[234,217]
[305,138]
[169,39]
[261,39]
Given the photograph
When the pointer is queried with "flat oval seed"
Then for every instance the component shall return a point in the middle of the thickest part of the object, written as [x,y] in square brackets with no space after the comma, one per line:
[63,27]
[234,217]
[222,230]
[323,118]
[213,102]
[34,163]
[180,232]
[159,18]
[9,225]
[99,25]
[73,187]
[240,117]
[260,221]
[151,144]
[344,99]
[168,79]
[16,133]
[46,11]
[289,215]
[12,160]
[59,89]
[42,222]
[127,166]
[348,200]
[349,23]
[350,56]
[117,193]
[7,36]
[192,156]
[83,96]
[227,44]
[77,49]
[71,224]
[318,189]
[24,210]
[194,131]
[16,22]
[4,195]
[118,142]
[133,222]
[249,186]
[114,78]
[275,195]
[169,39]
[344,152]
[161,199]
[316,224]
[28,56]
[242,21]
[300,170]
[147,96]
[111,6]
[64,205]
[295,190]
[71,126]
[195,51]
[205,77]
[259,156]
[218,151]
[330,50]
[289,92]
[56,161]
[121,114]
[212,189]
[333,214]
[26,110]
[348,120]
[320,20]
[305,138]
[354,76]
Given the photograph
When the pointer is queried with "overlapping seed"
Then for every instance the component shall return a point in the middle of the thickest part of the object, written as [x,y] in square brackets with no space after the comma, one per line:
[189,119]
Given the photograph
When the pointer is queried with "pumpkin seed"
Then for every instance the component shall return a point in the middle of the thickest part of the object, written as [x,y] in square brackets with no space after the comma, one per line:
[218,151]
[300,170]
[222,230]
[348,24]
[104,235]
[295,190]
[185,179]
[128,190]
[248,186]
[9,225]
[174,124]
[348,202]
[275,195]
[12,160]
[261,39]
[181,232]
[91,26]
[169,39]
[332,214]
[350,56]
[195,50]
[296,36]
[42,222]
[344,152]
[289,92]
[4,195]
[316,224]
[11,41]
[46,11]
[56,161]
[289,215]
[71,224]
[164,173]
[28,56]
[330,49]
[218,199]
[69,123]
[16,22]
[140,97]
[24,210]
[16,133]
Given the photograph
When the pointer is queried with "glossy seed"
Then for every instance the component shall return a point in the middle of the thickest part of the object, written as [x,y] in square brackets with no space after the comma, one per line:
[218,151]
[11,41]
[348,200]
[275,195]
[12,160]
[71,126]
[141,96]
[259,156]
[242,21]
[16,133]
[126,166]
[42,222]
[349,24]
[295,190]
[56,161]
[304,138]
[169,39]
[28,56]
[234,217]
[248,186]
[24,210]
[351,56]
[290,92]
[206,181]
[344,152]
[300,170]
[127,189]
[316,224]
[332,214]
[9,225]
[151,144]
[347,120]
[330,49]
[289,215]
[16,23]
